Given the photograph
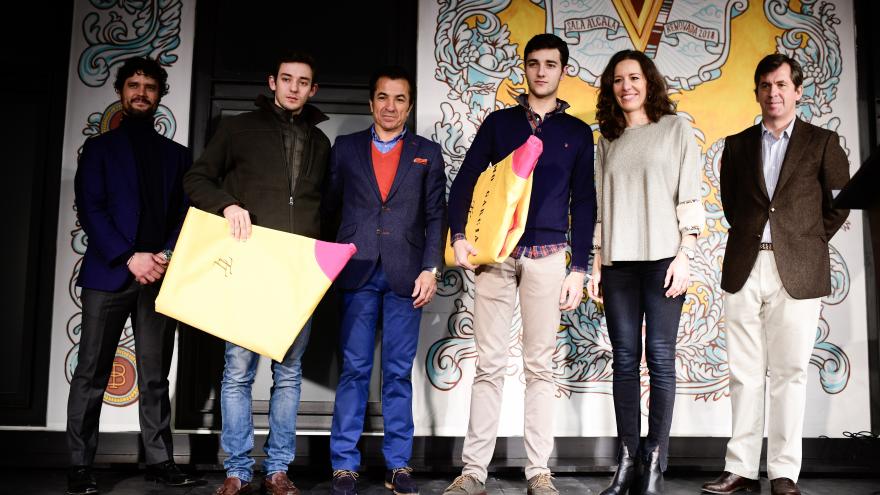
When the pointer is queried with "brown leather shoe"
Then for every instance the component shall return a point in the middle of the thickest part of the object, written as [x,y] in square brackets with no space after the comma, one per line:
[233,486]
[731,483]
[279,484]
[784,486]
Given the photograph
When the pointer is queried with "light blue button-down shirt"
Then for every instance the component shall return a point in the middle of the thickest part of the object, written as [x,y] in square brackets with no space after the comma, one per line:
[772,154]
[385,146]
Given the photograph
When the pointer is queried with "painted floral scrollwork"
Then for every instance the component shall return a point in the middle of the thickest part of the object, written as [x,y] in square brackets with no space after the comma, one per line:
[468,35]
[135,28]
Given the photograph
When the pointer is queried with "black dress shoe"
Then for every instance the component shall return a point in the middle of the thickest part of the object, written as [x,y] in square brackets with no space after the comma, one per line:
[81,481]
[729,483]
[651,482]
[168,473]
[625,474]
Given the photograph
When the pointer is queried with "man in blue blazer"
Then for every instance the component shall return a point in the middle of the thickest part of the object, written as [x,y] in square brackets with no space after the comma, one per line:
[130,202]
[389,186]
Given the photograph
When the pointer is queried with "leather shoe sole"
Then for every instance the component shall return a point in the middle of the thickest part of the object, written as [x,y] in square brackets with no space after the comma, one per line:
[744,489]
[391,487]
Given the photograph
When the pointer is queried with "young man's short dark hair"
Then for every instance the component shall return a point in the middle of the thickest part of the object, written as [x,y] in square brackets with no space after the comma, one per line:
[772,62]
[293,57]
[393,72]
[547,41]
[145,66]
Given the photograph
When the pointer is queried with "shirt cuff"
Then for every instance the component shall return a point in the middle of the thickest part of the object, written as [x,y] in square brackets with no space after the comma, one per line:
[691,216]
[597,237]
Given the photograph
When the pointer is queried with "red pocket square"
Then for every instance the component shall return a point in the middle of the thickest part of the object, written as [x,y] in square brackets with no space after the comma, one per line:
[420,161]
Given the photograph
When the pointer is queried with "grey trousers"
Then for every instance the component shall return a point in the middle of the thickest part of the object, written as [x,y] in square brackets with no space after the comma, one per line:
[103,319]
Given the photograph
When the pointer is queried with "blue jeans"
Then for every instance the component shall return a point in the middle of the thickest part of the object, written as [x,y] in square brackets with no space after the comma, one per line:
[633,291]
[400,338]
[237,437]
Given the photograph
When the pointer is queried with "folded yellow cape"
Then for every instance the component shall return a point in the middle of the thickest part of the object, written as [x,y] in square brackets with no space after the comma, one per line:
[500,206]
[257,294]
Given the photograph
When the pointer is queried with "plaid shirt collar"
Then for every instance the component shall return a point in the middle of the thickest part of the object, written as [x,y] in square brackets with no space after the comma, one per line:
[536,120]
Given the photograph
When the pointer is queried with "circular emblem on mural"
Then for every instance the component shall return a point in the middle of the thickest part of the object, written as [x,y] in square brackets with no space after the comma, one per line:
[122,388]
[111,117]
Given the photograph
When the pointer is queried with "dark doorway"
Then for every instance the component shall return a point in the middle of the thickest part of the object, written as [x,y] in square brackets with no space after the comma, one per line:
[33,76]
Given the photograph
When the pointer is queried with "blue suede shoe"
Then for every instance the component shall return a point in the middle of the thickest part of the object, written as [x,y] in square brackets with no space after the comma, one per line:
[400,481]
[344,482]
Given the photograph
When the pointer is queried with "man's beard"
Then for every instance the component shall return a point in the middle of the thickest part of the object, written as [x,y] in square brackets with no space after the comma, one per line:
[140,114]
[136,113]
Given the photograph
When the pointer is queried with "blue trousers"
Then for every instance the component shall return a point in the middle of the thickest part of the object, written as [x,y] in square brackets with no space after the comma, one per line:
[237,436]
[400,338]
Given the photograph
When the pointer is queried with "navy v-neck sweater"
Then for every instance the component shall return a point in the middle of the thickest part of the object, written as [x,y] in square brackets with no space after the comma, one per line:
[563,180]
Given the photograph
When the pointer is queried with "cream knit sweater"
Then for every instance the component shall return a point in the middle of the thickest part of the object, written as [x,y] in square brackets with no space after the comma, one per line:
[648,184]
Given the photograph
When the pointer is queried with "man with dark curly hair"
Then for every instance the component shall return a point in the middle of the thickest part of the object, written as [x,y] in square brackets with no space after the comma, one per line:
[130,202]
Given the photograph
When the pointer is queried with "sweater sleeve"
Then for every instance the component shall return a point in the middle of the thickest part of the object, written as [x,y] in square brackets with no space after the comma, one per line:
[461,191]
[583,205]
[599,165]
[689,204]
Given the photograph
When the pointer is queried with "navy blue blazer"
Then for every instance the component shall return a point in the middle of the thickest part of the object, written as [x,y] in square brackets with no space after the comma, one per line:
[406,231]
[107,198]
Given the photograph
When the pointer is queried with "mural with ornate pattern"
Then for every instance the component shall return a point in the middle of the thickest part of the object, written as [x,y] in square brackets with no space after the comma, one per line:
[478,57]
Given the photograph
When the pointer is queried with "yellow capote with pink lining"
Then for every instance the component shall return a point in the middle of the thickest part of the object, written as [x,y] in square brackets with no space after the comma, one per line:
[257,294]
[500,206]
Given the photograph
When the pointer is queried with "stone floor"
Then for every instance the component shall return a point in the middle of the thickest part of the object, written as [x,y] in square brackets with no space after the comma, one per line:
[128,481]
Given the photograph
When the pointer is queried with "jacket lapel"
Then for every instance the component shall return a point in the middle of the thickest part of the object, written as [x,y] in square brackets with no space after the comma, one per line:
[798,140]
[407,154]
[756,158]
[365,150]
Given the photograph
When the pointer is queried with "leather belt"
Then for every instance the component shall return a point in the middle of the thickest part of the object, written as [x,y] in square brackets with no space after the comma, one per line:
[766,246]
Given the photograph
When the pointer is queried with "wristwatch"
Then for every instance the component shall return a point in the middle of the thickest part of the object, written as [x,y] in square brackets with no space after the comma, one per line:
[438,274]
[167,254]
[687,252]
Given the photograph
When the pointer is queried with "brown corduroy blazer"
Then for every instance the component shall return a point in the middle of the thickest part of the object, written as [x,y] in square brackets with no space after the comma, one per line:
[800,213]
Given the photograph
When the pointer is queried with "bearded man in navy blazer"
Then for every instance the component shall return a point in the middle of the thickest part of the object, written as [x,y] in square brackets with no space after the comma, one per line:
[390,186]
[130,202]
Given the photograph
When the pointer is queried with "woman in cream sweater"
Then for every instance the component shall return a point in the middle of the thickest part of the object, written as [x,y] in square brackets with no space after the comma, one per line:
[650,214]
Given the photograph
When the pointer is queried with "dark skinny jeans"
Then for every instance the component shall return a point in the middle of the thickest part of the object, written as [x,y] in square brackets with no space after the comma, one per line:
[633,291]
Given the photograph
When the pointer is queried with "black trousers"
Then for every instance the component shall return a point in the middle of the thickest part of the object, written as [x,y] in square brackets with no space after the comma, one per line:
[103,319]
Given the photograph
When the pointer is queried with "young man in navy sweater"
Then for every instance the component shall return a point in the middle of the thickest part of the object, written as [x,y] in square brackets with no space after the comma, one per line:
[563,186]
